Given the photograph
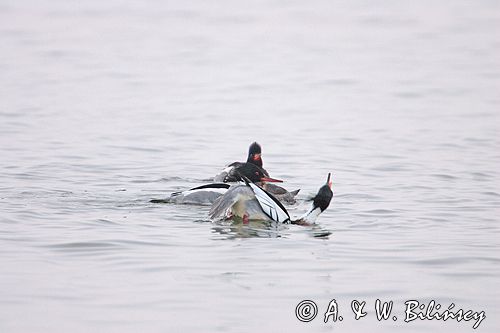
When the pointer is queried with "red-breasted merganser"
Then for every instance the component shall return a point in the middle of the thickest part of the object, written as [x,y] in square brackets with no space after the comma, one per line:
[207,194]
[255,157]
[250,202]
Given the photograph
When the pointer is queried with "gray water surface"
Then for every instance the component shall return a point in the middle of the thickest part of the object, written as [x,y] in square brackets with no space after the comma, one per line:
[105,105]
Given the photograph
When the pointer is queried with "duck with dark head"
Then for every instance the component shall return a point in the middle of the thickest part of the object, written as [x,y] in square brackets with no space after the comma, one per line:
[320,203]
[251,202]
[228,175]
[255,154]
[207,194]
[254,157]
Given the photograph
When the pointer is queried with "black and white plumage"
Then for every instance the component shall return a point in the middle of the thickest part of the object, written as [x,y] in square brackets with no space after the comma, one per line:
[201,195]
[238,201]
[251,202]
[230,174]
[320,203]
[271,206]
[254,157]
[281,193]
[209,193]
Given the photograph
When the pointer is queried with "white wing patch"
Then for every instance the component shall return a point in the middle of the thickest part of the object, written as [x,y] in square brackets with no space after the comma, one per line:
[269,206]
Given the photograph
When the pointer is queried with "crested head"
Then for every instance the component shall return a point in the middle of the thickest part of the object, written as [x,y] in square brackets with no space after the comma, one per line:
[321,201]
[254,149]
[324,195]
[254,154]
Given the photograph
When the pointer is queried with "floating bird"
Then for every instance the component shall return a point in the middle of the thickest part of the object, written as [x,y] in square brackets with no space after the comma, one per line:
[230,174]
[254,157]
[207,194]
[250,202]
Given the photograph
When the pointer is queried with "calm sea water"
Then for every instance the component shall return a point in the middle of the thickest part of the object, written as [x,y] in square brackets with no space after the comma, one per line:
[105,105]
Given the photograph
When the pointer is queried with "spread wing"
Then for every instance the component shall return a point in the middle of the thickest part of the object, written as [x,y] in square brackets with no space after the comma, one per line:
[225,202]
[270,205]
